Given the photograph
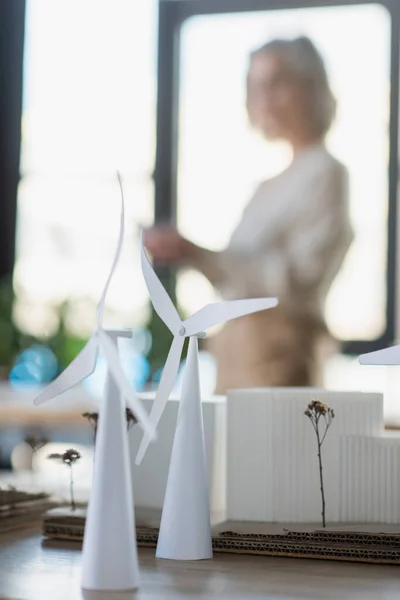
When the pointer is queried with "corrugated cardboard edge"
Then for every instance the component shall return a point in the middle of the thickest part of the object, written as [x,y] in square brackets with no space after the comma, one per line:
[18,509]
[353,546]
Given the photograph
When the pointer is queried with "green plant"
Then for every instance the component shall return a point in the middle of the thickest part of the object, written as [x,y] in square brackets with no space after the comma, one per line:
[13,341]
[65,345]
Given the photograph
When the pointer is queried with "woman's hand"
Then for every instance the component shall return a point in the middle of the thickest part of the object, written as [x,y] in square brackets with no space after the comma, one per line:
[167,246]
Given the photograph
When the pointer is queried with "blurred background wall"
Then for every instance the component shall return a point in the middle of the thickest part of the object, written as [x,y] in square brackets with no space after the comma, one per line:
[79,99]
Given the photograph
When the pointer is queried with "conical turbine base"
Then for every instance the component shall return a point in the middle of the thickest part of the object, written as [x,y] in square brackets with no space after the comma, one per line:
[185,530]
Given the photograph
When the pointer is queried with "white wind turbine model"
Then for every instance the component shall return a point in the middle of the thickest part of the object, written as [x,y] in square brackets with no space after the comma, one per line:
[109,547]
[185,529]
[386,356]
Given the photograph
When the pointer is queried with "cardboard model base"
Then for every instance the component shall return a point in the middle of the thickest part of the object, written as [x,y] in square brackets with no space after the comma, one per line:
[372,543]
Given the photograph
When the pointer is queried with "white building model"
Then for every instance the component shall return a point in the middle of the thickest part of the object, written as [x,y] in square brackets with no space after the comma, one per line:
[272,467]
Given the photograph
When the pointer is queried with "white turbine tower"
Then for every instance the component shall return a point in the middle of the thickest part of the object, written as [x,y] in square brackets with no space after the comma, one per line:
[185,529]
[109,547]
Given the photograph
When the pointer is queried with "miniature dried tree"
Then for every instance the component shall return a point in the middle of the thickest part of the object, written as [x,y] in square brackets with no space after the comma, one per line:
[35,441]
[93,419]
[321,417]
[69,458]
[131,420]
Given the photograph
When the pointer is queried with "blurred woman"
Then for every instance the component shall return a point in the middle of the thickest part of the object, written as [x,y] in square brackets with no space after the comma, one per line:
[294,233]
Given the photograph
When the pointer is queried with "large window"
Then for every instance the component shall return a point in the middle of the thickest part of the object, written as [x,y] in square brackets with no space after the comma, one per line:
[89,105]
[220,160]
[88,109]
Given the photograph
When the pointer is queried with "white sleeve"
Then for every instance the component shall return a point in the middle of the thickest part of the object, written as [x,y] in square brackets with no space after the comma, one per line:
[317,242]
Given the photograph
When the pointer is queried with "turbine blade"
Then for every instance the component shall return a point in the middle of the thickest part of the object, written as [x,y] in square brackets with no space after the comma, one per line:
[100,307]
[168,377]
[112,359]
[386,356]
[162,303]
[82,366]
[214,314]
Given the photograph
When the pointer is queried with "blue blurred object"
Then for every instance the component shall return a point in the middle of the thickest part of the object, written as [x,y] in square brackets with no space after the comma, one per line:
[34,366]
[138,371]
[38,365]
[156,377]
[96,381]
[142,340]
[135,365]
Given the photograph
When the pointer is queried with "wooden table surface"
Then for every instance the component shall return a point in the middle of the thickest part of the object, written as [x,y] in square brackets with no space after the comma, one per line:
[34,569]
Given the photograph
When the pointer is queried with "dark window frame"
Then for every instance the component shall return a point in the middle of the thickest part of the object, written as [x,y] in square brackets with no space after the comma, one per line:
[172,14]
[12,30]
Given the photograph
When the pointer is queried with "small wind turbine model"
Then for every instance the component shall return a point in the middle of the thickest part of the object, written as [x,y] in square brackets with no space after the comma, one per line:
[185,529]
[109,546]
[386,356]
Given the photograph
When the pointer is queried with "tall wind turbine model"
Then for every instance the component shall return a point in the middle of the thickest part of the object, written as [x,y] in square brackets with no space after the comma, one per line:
[109,546]
[185,530]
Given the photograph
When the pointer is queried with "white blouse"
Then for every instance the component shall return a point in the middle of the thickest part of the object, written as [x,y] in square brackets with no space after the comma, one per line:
[292,239]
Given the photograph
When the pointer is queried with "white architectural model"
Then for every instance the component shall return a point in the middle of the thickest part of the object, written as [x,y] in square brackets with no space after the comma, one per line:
[109,547]
[150,480]
[268,470]
[272,458]
[185,530]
